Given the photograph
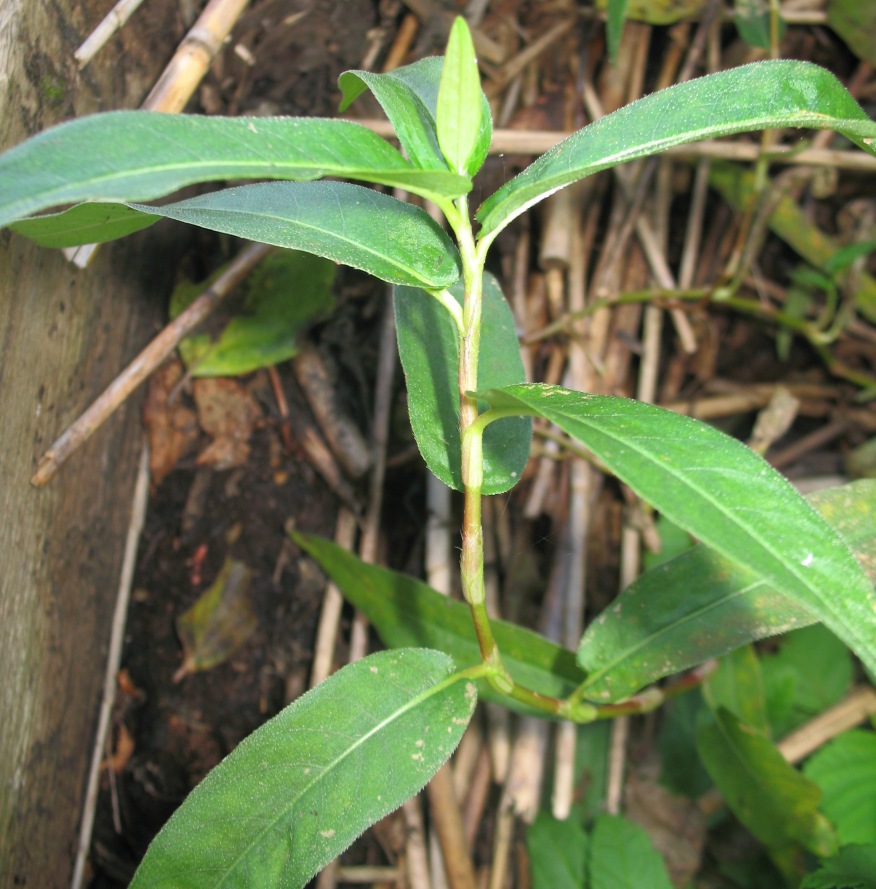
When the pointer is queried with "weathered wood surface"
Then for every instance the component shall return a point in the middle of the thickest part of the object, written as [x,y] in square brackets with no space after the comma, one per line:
[64,333]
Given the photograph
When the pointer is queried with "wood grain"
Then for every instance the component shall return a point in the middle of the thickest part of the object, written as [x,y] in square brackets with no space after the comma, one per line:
[64,333]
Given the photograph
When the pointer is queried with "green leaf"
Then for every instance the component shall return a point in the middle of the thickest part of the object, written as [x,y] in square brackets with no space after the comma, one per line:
[301,788]
[408,96]
[853,868]
[768,795]
[855,22]
[406,612]
[359,227]
[752,20]
[721,491]
[682,771]
[557,853]
[700,606]
[755,96]
[621,856]
[460,107]
[617,12]
[83,224]
[737,687]
[138,155]
[811,671]
[286,293]
[428,342]
[845,770]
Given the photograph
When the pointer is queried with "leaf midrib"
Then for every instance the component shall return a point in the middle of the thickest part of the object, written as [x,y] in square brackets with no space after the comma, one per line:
[327,770]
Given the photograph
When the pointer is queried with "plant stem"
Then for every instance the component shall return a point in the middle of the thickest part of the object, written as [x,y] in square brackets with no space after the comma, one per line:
[472,559]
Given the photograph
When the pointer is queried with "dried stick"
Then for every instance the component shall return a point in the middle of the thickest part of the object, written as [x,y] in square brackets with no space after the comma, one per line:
[581,490]
[113,659]
[502,76]
[535,142]
[112,22]
[854,709]
[190,62]
[145,363]
[398,52]
[415,846]
[451,834]
[181,77]
[433,11]
[332,604]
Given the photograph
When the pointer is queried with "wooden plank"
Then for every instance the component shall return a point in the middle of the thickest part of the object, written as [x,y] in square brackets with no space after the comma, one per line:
[64,333]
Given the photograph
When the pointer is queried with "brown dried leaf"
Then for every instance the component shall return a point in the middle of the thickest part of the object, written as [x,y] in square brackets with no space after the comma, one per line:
[676,826]
[219,622]
[227,412]
[172,428]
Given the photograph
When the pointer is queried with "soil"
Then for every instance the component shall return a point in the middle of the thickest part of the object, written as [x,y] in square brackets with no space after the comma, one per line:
[170,727]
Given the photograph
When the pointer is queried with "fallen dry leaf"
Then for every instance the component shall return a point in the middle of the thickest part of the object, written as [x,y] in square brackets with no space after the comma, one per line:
[172,428]
[218,623]
[227,412]
[676,826]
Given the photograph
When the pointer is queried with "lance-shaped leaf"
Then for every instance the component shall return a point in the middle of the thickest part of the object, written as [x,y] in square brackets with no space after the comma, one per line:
[391,240]
[301,788]
[409,97]
[721,491]
[83,224]
[138,155]
[460,107]
[428,342]
[407,612]
[700,605]
[767,794]
[763,94]
[288,292]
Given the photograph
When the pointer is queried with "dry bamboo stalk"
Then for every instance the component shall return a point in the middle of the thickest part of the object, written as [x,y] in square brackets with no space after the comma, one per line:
[113,660]
[810,442]
[503,839]
[321,458]
[614,790]
[189,64]
[536,142]
[145,363]
[447,818]
[582,485]
[112,22]
[181,77]
[466,758]
[332,603]
[415,846]
[429,11]
[398,52]
[854,709]
[328,877]
[368,873]
[500,77]
[476,796]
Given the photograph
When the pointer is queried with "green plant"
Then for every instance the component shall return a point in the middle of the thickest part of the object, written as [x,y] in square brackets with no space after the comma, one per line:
[301,788]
